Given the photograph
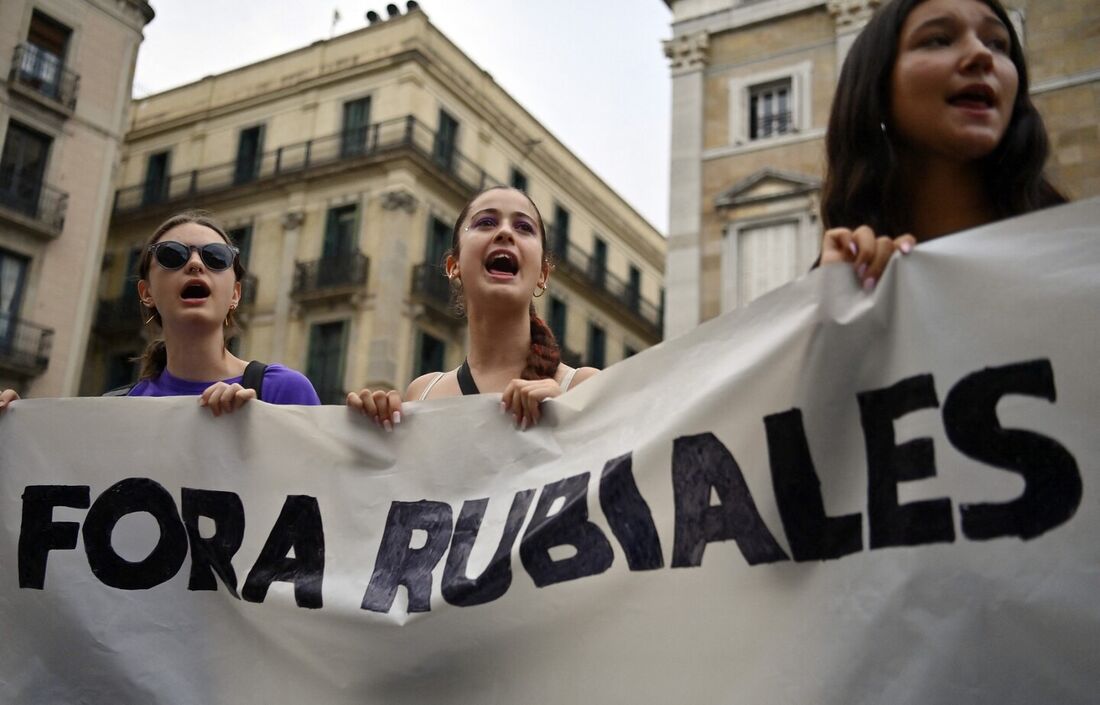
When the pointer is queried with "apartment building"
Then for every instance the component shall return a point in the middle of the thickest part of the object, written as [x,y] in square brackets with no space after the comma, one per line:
[66,68]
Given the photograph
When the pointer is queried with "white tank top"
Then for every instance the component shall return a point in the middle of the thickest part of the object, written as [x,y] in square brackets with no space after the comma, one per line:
[565,382]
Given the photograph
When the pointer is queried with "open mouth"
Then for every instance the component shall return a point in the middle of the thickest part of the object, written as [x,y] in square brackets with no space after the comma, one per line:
[502,263]
[195,290]
[976,97]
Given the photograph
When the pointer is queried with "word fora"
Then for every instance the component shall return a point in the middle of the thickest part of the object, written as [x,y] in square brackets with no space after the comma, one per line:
[701,466]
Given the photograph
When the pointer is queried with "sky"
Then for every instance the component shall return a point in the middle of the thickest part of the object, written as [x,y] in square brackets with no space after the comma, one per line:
[592,72]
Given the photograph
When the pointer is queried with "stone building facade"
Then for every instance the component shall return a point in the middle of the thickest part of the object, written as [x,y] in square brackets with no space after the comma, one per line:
[340,168]
[66,68]
[752,85]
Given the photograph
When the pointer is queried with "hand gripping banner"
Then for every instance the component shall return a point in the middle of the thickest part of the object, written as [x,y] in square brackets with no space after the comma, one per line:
[826,497]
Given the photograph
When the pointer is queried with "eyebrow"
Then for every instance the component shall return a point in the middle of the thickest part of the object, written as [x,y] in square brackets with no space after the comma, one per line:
[951,21]
[496,211]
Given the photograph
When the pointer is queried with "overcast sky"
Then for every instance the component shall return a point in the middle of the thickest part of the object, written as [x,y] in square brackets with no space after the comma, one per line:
[592,71]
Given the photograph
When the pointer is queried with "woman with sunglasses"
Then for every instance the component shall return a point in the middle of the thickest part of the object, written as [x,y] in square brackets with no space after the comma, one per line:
[497,262]
[189,285]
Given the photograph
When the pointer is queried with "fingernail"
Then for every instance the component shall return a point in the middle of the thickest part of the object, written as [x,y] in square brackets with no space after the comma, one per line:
[515,420]
[387,425]
[861,270]
[906,248]
[852,247]
[868,283]
[397,417]
[523,425]
[503,407]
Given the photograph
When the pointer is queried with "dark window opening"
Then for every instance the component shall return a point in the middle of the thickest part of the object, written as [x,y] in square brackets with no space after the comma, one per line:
[249,155]
[430,357]
[325,365]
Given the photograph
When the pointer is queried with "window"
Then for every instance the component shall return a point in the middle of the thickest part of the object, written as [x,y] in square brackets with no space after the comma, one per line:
[770,110]
[634,288]
[43,56]
[629,351]
[121,370]
[241,237]
[353,137]
[445,140]
[13,273]
[559,244]
[249,154]
[439,241]
[557,320]
[597,346]
[770,104]
[156,180]
[325,366]
[598,264]
[518,180]
[759,258]
[430,357]
[130,279]
[22,168]
[340,235]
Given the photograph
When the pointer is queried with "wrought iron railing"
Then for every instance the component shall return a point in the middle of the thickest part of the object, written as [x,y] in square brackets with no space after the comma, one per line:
[771,125]
[581,264]
[34,199]
[24,346]
[391,136]
[330,273]
[45,73]
[430,284]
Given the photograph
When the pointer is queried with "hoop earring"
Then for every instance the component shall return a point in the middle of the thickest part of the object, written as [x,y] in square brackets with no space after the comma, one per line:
[542,290]
[150,318]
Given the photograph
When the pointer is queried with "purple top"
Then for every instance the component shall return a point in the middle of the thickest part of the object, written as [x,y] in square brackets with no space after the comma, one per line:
[282,385]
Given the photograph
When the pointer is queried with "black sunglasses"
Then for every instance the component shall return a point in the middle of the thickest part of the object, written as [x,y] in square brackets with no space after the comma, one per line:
[217,256]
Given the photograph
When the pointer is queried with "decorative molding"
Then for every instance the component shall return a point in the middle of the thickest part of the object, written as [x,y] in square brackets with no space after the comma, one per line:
[746,192]
[851,15]
[399,200]
[292,220]
[687,53]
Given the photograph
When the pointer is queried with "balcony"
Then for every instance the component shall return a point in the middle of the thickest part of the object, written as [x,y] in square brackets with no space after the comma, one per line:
[32,203]
[43,74]
[431,288]
[392,139]
[24,347]
[330,277]
[121,316]
[581,268]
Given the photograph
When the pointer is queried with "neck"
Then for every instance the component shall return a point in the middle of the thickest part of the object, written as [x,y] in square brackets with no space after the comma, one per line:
[946,197]
[499,341]
[199,356]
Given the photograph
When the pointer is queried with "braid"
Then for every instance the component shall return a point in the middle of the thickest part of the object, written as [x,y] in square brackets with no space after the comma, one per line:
[544,357]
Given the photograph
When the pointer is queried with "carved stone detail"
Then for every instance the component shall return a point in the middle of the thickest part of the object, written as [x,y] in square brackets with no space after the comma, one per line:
[399,200]
[292,220]
[687,53]
[851,15]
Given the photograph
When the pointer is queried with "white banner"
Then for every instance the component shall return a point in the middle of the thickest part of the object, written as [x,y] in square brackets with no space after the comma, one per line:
[827,497]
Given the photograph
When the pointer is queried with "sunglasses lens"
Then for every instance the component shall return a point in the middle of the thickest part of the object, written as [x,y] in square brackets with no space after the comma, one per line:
[217,257]
[172,255]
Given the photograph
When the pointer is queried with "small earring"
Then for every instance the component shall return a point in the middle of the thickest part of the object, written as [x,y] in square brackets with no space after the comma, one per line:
[150,318]
[543,288]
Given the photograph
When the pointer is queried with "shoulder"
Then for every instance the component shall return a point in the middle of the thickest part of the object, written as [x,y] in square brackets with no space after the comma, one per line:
[579,374]
[583,373]
[283,385]
[418,385]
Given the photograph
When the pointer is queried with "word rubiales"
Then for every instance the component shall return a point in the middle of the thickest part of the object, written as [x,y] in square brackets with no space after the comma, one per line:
[701,467]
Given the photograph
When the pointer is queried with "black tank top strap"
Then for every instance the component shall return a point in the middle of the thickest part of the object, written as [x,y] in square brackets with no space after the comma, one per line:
[466,379]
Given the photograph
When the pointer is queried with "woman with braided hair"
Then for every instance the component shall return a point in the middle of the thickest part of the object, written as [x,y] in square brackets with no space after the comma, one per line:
[497,262]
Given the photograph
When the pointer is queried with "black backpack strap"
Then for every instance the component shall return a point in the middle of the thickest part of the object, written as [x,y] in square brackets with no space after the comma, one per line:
[123,391]
[253,377]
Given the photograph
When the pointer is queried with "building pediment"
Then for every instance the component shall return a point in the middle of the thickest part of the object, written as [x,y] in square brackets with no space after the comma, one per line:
[767,185]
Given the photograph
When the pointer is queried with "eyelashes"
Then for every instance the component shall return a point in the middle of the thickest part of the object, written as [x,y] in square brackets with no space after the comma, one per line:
[487,221]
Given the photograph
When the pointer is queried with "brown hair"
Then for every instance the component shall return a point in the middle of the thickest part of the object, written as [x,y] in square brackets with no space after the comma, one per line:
[862,179]
[155,357]
[544,356]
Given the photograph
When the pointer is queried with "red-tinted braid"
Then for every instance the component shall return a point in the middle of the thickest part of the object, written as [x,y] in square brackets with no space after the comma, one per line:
[544,356]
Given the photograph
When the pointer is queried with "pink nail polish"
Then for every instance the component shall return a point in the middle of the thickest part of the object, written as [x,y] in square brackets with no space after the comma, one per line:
[868,283]
[397,417]
[852,247]
[906,248]
[387,425]
[861,270]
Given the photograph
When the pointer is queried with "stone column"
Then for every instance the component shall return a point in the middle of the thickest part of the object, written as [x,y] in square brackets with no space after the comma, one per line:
[682,270]
[292,229]
[390,283]
[850,16]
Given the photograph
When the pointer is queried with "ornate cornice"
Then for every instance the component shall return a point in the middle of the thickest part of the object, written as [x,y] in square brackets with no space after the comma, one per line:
[687,53]
[851,15]
[292,220]
[399,200]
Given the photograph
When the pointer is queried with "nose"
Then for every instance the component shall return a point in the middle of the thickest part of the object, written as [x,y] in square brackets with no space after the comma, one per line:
[194,262]
[977,57]
[505,232]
